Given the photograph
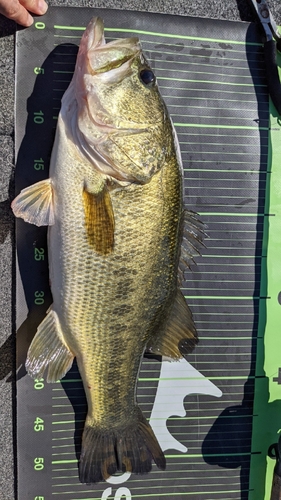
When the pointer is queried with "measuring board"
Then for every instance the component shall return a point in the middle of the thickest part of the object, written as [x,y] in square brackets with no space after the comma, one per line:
[211,412]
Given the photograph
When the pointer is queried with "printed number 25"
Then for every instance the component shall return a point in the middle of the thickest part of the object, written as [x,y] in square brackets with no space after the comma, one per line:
[39,253]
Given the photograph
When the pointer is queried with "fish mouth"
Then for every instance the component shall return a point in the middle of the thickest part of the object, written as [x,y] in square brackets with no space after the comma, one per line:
[104,57]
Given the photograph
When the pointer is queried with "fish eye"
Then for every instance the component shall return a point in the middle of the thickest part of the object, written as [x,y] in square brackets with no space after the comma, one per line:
[147,77]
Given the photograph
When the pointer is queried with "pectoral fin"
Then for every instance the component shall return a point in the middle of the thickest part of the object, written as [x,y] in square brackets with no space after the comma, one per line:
[99,220]
[49,350]
[178,335]
[34,204]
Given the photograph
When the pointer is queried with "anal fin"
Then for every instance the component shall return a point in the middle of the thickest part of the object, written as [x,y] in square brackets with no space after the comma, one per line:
[49,350]
[99,220]
[177,336]
[34,204]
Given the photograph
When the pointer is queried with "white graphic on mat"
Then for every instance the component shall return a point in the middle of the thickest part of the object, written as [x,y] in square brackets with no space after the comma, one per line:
[178,379]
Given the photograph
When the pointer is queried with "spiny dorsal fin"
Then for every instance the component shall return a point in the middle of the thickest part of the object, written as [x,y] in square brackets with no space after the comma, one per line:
[193,231]
[178,335]
[99,220]
[34,204]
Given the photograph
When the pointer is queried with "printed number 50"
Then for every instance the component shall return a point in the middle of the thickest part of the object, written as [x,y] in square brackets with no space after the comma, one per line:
[39,463]
[120,493]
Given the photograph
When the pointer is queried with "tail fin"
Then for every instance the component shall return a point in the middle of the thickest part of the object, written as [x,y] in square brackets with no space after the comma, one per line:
[129,448]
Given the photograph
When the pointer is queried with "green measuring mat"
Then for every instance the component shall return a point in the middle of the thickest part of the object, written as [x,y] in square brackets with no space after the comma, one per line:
[216,413]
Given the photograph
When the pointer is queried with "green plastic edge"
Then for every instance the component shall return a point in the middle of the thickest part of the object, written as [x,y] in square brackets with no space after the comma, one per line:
[267,402]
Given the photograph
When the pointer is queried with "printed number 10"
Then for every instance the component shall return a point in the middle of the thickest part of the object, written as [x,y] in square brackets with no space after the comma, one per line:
[38,117]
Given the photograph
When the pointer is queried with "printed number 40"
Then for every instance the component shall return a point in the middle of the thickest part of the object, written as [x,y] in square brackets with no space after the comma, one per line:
[39,384]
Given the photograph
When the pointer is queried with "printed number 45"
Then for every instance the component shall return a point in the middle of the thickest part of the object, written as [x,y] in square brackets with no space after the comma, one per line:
[38,424]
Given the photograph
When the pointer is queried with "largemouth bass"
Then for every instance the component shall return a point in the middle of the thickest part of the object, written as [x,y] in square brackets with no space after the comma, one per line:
[118,240]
